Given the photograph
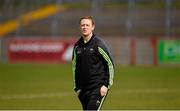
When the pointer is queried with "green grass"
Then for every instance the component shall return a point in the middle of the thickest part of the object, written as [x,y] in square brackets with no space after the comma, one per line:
[50,86]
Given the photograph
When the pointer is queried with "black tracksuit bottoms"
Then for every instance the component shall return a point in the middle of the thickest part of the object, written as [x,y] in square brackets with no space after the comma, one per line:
[91,100]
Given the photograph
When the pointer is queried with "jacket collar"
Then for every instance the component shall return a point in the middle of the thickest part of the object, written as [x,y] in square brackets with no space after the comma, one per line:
[82,41]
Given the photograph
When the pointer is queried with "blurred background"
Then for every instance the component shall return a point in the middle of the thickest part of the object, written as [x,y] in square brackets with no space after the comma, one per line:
[37,37]
[138,31]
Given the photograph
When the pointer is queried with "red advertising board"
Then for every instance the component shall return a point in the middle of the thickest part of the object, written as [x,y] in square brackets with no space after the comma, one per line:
[40,50]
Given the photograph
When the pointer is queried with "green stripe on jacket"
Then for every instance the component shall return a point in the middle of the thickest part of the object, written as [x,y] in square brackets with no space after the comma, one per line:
[110,65]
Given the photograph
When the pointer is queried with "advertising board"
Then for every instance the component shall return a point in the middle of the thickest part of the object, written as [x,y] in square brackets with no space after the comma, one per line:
[40,50]
[169,51]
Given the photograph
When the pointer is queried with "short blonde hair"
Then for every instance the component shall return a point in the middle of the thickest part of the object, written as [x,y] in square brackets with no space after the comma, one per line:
[87,17]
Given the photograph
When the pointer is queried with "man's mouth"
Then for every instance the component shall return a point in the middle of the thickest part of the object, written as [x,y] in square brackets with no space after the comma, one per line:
[84,30]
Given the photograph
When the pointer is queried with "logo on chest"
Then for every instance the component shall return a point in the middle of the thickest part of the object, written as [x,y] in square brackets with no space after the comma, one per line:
[85,50]
[79,51]
[91,50]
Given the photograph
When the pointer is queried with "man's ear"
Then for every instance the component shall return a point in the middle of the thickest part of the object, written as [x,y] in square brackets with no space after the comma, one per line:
[93,27]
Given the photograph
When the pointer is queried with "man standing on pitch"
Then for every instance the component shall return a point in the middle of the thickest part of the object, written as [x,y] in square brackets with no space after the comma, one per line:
[92,66]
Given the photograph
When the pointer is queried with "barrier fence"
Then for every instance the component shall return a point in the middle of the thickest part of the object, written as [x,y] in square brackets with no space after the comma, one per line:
[129,50]
[39,50]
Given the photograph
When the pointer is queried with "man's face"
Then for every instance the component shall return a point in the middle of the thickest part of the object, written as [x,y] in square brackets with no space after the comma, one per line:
[86,27]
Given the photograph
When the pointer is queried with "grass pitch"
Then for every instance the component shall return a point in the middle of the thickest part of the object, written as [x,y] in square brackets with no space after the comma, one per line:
[50,86]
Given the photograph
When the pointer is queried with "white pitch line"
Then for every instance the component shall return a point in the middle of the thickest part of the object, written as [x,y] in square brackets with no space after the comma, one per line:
[148,90]
[32,96]
[63,94]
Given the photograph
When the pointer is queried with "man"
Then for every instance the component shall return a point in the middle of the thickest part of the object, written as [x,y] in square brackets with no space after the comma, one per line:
[92,66]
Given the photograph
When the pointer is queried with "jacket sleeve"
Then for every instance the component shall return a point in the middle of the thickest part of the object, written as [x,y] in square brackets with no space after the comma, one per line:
[74,56]
[103,50]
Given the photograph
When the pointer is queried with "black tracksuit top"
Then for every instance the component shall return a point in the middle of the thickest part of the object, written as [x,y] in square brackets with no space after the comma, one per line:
[92,64]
